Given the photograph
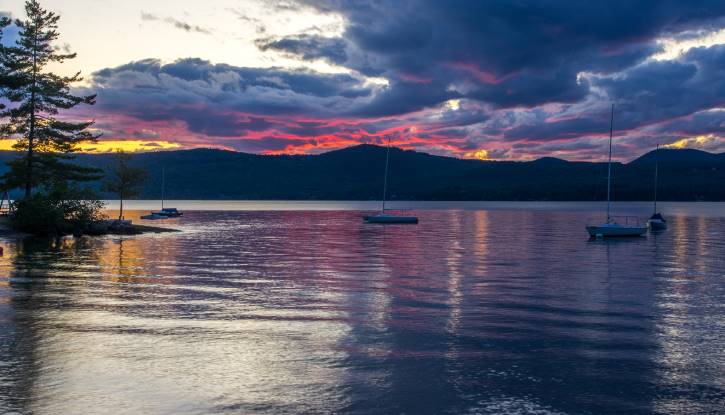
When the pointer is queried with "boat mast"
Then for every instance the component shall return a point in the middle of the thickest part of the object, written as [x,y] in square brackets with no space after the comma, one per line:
[385,181]
[609,172]
[657,168]
[163,186]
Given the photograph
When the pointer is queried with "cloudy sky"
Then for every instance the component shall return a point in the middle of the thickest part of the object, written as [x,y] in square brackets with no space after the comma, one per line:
[488,79]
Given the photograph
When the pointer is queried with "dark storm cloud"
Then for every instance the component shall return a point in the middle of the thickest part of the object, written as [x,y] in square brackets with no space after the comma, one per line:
[541,45]
[308,47]
[655,92]
[661,90]
[230,78]
[701,123]
[265,86]
[537,74]
[403,97]
[220,123]
[211,98]
[504,36]
[530,89]
[593,124]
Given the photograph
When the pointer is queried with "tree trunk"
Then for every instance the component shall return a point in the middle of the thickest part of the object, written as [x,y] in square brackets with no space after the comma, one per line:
[29,167]
[31,133]
[120,212]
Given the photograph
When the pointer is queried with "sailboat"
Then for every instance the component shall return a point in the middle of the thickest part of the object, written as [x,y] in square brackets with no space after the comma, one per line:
[611,227]
[165,212]
[382,217]
[656,222]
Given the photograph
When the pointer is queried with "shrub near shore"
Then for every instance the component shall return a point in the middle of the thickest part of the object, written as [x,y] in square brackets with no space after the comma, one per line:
[58,212]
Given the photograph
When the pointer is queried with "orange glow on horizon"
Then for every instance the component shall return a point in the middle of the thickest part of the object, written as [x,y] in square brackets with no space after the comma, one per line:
[109,146]
[477,155]
[693,142]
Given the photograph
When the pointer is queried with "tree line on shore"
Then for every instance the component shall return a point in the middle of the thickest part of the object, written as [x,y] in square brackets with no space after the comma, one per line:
[55,200]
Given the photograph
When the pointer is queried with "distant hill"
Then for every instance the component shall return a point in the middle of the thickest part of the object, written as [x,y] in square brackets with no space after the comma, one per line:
[356,173]
[686,155]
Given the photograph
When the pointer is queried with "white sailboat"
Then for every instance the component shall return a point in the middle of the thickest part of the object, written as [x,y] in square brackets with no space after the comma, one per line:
[612,227]
[386,218]
[656,222]
[165,212]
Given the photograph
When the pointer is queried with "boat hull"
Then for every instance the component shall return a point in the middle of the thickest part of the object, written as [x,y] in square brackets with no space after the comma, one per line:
[656,225]
[169,213]
[390,219]
[608,231]
[153,216]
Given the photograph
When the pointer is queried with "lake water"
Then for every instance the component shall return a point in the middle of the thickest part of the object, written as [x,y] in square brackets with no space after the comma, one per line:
[294,307]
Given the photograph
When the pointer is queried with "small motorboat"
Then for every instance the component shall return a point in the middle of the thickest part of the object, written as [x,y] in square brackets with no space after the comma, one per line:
[657,222]
[389,219]
[613,229]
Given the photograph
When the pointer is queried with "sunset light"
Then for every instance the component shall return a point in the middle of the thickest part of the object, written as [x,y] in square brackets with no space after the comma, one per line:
[478,155]
[299,77]
[698,142]
[362,207]
[109,146]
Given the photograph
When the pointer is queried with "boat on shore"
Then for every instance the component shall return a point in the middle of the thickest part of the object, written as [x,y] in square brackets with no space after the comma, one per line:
[613,227]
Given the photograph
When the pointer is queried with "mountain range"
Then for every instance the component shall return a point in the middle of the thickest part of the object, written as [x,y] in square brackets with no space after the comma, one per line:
[356,173]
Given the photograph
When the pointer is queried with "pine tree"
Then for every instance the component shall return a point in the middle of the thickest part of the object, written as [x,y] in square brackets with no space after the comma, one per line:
[37,97]
[4,80]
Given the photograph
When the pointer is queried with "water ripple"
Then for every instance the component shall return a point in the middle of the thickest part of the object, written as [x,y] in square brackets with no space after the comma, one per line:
[472,311]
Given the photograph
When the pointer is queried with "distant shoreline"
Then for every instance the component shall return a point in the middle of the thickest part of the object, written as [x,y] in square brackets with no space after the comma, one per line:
[153,204]
[355,174]
[133,209]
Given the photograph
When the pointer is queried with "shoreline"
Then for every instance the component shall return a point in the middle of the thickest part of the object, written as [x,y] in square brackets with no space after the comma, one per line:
[135,229]
[108,229]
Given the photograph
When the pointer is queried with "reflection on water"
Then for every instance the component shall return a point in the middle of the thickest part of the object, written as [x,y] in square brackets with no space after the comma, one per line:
[480,311]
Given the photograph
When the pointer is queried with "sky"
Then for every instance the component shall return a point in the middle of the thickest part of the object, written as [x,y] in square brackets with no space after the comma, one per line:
[500,80]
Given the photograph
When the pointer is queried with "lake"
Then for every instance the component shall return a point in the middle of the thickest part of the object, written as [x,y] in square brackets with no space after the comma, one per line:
[299,307]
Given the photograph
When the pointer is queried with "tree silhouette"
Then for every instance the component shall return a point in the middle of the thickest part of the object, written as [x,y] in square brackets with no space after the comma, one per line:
[124,180]
[36,98]
[4,80]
